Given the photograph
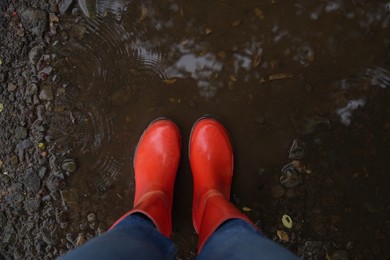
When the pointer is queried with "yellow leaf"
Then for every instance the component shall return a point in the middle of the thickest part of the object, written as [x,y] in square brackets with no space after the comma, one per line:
[169,81]
[233,78]
[246,209]
[41,146]
[287,221]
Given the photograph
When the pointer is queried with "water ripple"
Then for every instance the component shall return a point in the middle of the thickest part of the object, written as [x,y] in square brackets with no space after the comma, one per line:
[102,65]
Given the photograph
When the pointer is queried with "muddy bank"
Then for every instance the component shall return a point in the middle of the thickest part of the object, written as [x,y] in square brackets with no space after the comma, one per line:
[80,82]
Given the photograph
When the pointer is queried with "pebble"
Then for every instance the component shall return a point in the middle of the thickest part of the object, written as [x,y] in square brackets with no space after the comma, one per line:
[21,133]
[31,181]
[53,183]
[65,5]
[91,217]
[14,160]
[69,165]
[32,205]
[42,172]
[290,176]
[12,87]
[35,21]
[35,54]
[46,93]
[32,89]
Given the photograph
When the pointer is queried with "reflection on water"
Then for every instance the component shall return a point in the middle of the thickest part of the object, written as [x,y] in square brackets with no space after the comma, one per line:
[345,113]
[273,71]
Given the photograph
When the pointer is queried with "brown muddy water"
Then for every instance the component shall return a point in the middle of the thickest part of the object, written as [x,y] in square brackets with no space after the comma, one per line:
[272,72]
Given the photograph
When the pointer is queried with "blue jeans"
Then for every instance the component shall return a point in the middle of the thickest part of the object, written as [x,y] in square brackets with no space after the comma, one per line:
[135,237]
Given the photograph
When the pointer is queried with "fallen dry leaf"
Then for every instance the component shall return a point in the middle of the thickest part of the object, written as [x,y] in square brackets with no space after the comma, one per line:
[144,14]
[282,235]
[259,13]
[236,23]
[207,30]
[221,54]
[169,81]
[280,76]
[256,60]
[233,78]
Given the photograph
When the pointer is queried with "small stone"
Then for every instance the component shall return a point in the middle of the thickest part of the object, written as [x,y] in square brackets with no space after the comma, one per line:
[91,217]
[42,172]
[46,93]
[32,206]
[35,54]
[12,87]
[32,89]
[290,176]
[35,21]
[53,18]
[283,236]
[31,181]
[21,132]
[65,5]
[297,150]
[69,165]
[14,160]
[53,183]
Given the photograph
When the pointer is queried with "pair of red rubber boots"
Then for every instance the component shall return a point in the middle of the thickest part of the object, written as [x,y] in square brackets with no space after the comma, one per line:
[155,165]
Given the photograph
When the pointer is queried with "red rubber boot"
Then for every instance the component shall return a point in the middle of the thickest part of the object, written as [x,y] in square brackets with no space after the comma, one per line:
[211,160]
[155,165]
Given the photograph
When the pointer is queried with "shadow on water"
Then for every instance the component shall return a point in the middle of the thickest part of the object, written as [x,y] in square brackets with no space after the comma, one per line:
[271,71]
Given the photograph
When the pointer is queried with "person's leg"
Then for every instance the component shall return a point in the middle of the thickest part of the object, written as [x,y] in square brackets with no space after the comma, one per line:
[135,237]
[236,239]
[218,222]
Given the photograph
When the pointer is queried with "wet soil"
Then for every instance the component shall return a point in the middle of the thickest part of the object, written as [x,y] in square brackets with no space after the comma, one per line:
[80,81]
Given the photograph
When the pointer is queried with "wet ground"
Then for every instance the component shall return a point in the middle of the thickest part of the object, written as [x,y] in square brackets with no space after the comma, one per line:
[80,81]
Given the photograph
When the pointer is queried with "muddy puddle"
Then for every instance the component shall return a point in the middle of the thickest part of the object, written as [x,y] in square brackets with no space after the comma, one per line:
[271,71]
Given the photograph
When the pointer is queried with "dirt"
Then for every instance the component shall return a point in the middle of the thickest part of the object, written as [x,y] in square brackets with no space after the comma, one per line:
[302,87]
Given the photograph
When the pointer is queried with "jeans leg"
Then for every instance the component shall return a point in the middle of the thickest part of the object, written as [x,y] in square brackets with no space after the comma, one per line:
[135,237]
[236,239]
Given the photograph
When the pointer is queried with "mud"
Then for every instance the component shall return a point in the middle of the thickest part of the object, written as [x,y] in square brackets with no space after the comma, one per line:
[302,87]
